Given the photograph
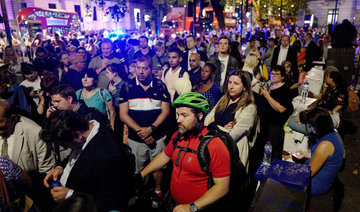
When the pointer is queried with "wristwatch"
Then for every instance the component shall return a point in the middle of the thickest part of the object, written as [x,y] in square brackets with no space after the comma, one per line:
[153,128]
[193,207]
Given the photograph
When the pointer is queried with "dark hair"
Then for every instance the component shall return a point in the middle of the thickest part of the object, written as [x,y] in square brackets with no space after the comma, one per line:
[64,91]
[61,125]
[176,50]
[226,38]
[279,68]
[191,36]
[79,202]
[181,43]
[144,58]
[143,36]
[91,73]
[319,119]
[211,66]
[272,39]
[60,56]
[119,69]
[337,78]
[309,34]
[27,68]
[40,50]
[80,47]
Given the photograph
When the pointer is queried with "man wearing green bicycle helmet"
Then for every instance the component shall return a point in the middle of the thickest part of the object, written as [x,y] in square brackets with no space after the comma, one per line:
[188,182]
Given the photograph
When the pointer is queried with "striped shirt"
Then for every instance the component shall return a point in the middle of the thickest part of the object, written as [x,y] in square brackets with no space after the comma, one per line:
[145,106]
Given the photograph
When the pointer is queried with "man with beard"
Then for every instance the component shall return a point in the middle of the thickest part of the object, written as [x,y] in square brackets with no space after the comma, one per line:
[188,182]
[144,48]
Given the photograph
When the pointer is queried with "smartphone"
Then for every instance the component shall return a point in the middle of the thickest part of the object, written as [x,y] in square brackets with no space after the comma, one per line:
[54,184]
[295,157]
[286,153]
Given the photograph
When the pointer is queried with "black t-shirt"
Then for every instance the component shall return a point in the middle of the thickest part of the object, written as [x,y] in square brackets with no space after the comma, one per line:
[284,97]
[226,116]
[195,78]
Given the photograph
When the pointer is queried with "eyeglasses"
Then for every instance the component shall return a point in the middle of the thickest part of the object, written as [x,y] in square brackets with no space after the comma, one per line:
[275,74]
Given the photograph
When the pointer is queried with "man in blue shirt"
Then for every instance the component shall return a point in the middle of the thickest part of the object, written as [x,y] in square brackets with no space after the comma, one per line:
[144,106]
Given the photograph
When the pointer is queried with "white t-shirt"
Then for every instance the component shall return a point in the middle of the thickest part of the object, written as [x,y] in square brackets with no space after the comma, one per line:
[224,63]
[282,54]
[170,78]
[34,86]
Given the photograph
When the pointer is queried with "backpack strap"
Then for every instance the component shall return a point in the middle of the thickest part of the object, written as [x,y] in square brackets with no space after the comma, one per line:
[166,71]
[182,72]
[203,155]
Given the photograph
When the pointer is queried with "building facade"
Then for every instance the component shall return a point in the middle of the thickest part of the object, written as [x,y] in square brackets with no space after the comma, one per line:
[324,11]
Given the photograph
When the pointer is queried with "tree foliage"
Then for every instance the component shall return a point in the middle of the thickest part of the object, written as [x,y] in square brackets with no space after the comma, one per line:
[118,11]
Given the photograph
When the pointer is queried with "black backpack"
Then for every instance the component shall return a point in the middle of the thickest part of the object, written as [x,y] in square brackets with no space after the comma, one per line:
[181,74]
[238,177]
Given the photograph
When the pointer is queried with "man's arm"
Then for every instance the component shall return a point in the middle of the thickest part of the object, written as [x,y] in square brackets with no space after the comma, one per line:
[110,106]
[156,164]
[220,189]
[124,116]
[165,110]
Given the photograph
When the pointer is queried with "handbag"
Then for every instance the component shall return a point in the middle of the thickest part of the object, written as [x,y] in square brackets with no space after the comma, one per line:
[6,204]
[23,204]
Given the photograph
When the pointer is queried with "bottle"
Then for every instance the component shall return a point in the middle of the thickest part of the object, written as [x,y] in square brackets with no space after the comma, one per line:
[304,90]
[267,153]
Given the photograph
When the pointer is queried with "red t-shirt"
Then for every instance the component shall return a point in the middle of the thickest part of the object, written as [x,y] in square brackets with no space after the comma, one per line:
[188,181]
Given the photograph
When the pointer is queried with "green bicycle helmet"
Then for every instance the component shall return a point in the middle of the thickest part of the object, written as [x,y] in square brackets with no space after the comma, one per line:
[194,100]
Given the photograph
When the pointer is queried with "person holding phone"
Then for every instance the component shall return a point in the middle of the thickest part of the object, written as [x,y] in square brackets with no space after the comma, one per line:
[278,108]
[236,112]
[327,149]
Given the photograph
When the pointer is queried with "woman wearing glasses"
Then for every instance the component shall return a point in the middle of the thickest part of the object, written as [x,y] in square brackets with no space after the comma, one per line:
[278,108]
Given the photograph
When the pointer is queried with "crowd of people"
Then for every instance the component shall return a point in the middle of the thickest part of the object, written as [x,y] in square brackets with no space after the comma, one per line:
[71,107]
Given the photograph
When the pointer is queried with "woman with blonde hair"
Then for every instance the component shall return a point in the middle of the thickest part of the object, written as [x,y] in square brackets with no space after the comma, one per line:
[236,112]
[250,64]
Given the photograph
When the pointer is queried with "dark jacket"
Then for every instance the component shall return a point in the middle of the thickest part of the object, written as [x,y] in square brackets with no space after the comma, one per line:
[73,79]
[313,53]
[185,58]
[99,172]
[292,57]
[231,66]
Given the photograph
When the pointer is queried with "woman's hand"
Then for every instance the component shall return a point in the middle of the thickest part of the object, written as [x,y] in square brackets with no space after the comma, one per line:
[266,93]
[230,125]
[300,155]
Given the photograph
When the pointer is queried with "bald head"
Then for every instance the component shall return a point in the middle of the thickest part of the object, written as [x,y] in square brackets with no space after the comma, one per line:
[4,108]
[76,61]
[194,60]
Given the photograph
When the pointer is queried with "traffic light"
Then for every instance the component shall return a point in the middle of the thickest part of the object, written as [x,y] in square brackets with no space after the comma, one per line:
[237,12]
